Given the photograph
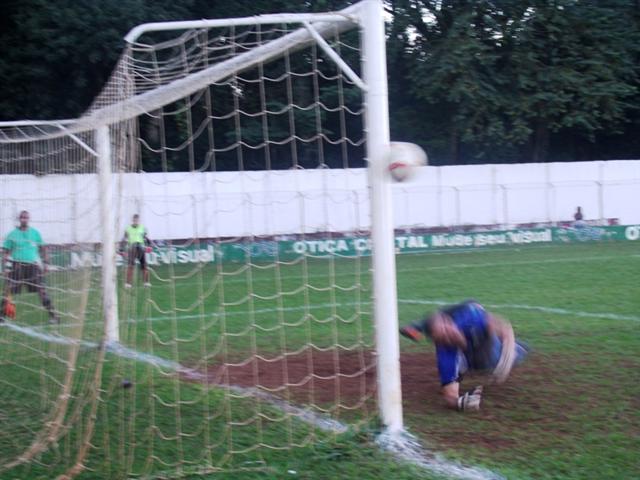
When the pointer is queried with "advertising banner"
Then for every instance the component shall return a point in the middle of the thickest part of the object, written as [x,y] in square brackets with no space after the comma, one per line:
[345,246]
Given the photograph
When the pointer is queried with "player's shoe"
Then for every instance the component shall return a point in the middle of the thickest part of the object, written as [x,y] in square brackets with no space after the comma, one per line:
[412,333]
[147,284]
[127,286]
[54,319]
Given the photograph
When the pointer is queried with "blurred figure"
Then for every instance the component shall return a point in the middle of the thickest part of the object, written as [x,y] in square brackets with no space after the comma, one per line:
[25,248]
[137,244]
[578,218]
[467,338]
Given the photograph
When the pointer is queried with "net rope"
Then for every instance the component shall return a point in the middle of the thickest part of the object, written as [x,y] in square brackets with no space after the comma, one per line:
[250,327]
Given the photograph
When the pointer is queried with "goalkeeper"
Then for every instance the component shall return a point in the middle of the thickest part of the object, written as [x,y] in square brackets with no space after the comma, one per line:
[137,244]
[467,337]
[27,251]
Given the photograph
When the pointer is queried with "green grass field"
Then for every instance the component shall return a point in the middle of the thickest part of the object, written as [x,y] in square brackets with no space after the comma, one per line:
[571,411]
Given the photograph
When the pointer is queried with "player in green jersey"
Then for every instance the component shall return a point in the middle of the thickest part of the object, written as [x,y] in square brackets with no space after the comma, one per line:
[26,251]
[136,243]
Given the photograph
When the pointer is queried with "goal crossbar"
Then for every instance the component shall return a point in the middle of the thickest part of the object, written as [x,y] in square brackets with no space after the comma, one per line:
[323,25]
[344,15]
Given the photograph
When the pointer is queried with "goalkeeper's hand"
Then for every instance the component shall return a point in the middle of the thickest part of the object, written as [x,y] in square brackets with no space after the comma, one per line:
[470,401]
[148,249]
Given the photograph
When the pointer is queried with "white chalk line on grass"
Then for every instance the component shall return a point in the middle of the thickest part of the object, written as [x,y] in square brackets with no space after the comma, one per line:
[408,448]
[208,316]
[537,308]
[115,348]
[403,446]
[437,267]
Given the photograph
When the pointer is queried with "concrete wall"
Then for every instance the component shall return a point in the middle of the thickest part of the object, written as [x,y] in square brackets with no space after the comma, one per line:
[184,205]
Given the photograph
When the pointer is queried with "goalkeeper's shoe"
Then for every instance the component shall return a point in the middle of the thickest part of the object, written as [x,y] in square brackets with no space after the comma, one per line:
[54,319]
[412,333]
[9,310]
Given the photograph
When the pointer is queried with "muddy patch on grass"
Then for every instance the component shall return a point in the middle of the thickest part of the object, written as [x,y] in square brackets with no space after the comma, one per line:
[542,402]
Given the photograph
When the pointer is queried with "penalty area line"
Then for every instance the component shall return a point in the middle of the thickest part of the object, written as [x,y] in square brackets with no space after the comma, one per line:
[402,446]
[536,308]
[407,301]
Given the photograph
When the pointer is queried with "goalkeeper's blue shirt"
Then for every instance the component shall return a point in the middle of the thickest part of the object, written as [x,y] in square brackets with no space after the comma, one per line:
[483,349]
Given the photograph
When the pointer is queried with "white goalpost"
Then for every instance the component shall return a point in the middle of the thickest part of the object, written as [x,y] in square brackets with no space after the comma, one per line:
[242,145]
[382,226]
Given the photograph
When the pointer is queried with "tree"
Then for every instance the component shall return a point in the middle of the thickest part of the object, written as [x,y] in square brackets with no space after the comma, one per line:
[503,76]
[573,71]
[59,54]
[471,80]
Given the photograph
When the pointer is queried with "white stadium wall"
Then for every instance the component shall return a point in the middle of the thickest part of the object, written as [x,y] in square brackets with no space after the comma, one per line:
[233,204]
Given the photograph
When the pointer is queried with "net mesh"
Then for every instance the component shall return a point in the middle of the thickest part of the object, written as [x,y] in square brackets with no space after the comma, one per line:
[255,334]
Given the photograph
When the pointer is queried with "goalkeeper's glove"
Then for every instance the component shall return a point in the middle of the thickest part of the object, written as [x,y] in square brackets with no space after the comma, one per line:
[9,308]
[470,401]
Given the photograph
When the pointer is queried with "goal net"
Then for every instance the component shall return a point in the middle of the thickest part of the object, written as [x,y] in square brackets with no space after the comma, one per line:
[242,326]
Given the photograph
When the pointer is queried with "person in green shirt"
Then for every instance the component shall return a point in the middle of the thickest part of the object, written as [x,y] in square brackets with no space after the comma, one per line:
[137,243]
[25,248]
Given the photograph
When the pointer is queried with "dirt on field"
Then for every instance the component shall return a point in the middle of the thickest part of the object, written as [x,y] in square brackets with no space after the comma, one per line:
[345,377]
[343,382]
[311,377]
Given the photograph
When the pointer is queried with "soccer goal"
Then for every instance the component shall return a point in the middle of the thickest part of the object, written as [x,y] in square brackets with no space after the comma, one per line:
[257,311]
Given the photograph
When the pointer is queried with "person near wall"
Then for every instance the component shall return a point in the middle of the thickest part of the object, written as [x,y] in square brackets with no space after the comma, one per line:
[578,218]
[136,245]
[25,254]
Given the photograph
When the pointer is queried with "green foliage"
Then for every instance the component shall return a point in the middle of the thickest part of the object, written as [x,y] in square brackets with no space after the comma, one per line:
[61,53]
[505,75]
[473,81]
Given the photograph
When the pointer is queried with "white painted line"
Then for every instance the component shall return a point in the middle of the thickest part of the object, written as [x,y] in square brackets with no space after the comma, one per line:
[407,447]
[537,308]
[57,339]
[210,315]
[404,447]
[564,311]
[320,421]
[114,348]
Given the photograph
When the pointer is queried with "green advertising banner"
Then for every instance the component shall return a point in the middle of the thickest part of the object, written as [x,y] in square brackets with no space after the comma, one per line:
[270,250]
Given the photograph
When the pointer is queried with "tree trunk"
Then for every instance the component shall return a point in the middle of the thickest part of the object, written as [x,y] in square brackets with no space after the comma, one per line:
[454,145]
[540,142]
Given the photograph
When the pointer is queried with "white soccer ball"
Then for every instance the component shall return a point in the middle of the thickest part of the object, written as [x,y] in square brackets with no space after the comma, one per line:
[404,158]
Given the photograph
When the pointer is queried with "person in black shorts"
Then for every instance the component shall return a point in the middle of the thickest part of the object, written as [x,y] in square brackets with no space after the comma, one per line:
[137,243]
[26,251]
